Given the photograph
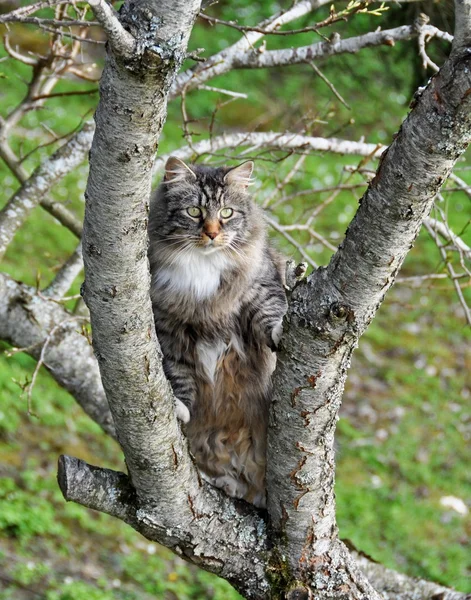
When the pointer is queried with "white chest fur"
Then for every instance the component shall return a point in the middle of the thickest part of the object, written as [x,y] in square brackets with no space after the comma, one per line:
[196,273]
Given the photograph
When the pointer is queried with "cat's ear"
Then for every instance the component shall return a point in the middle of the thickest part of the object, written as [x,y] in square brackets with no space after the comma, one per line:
[240,175]
[176,170]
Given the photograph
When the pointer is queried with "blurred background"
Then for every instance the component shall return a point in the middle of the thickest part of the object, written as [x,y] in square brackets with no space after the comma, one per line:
[403,477]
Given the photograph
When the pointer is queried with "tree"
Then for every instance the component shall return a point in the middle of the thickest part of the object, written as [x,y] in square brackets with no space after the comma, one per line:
[124,389]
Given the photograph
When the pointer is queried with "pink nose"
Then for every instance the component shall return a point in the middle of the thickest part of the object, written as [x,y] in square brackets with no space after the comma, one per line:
[212,234]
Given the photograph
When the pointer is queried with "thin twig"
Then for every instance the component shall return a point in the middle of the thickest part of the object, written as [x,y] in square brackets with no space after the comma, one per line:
[329,84]
[40,362]
[210,88]
[451,271]
[292,241]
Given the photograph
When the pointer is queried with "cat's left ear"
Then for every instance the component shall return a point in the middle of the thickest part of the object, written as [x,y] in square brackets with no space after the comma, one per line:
[240,175]
[176,170]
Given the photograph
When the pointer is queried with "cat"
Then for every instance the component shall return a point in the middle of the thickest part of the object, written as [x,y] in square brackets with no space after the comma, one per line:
[218,297]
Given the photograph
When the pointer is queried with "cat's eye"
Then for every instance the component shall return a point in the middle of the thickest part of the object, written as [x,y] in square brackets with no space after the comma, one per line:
[226,213]
[194,211]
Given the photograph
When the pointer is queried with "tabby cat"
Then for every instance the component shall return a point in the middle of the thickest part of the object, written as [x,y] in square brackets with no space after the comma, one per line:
[219,300]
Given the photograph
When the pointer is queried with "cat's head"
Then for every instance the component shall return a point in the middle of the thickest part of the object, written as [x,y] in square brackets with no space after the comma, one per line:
[206,209]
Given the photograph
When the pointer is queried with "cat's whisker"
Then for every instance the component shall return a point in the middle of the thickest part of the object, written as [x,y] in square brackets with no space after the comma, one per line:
[176,256]
[240,251]
[182,252]
[237,253]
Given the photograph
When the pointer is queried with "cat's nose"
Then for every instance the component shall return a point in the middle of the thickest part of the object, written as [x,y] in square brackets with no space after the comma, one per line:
[212,234]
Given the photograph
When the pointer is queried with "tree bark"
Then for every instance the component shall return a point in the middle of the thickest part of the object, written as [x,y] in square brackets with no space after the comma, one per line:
[164,498]
[129,118]
[330,311]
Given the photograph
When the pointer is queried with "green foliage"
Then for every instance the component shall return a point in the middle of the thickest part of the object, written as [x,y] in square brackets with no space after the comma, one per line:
[21,518]
[79,590]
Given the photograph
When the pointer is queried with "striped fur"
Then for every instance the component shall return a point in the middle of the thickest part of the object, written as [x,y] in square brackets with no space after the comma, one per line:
[219,300]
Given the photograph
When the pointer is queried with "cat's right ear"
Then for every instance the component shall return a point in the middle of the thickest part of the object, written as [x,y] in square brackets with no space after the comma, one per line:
[177,170]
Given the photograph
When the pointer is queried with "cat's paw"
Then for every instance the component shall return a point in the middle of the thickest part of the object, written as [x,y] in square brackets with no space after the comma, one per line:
[231,486]
[182,412]
[260,500]
[276,333]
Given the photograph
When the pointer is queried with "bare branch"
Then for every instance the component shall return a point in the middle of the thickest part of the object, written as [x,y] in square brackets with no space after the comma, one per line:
[461,184]
[440,228]
[66,275]
[221,91]
[52,22]
[23,11]
[27,60]
[122,41]
[42,356]
[422,40]
[334,17]
[218,534]
[417,280]
[396,586]
[34,189]
[451,271]
[26,320]
[291,56]
[329,84]
[65,217]
[276,140]
[292,241]
[222,62]
[331,309]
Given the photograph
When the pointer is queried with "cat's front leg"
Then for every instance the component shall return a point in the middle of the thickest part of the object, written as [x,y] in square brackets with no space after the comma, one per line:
[277,332]
[182,412]
[181,377]
[267,315]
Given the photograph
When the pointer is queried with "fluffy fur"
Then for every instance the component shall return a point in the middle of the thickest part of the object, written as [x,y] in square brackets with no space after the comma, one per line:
[219,300]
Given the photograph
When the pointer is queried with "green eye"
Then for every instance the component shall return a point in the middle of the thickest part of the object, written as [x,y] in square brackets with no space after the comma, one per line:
[194,211]
[226,213]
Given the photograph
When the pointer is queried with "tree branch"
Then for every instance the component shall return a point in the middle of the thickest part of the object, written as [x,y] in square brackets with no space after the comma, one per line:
[23,11]
[66,275]
[222,62]
[121,40]
[271,139]
[219,534]
[396,586]
[333,307]
[33,190]
[462,26]
[129,119]
[26,320]
[306,54]
[111,492]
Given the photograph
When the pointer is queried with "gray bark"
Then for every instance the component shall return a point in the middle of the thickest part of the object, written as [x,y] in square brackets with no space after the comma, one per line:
[329,312]
[306,54]
[217,534]
[129,118]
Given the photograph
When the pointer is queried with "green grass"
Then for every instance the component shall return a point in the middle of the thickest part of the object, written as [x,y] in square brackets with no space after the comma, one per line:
[405,426]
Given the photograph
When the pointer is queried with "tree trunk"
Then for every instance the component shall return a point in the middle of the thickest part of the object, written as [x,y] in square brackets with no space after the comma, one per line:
[164,498]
